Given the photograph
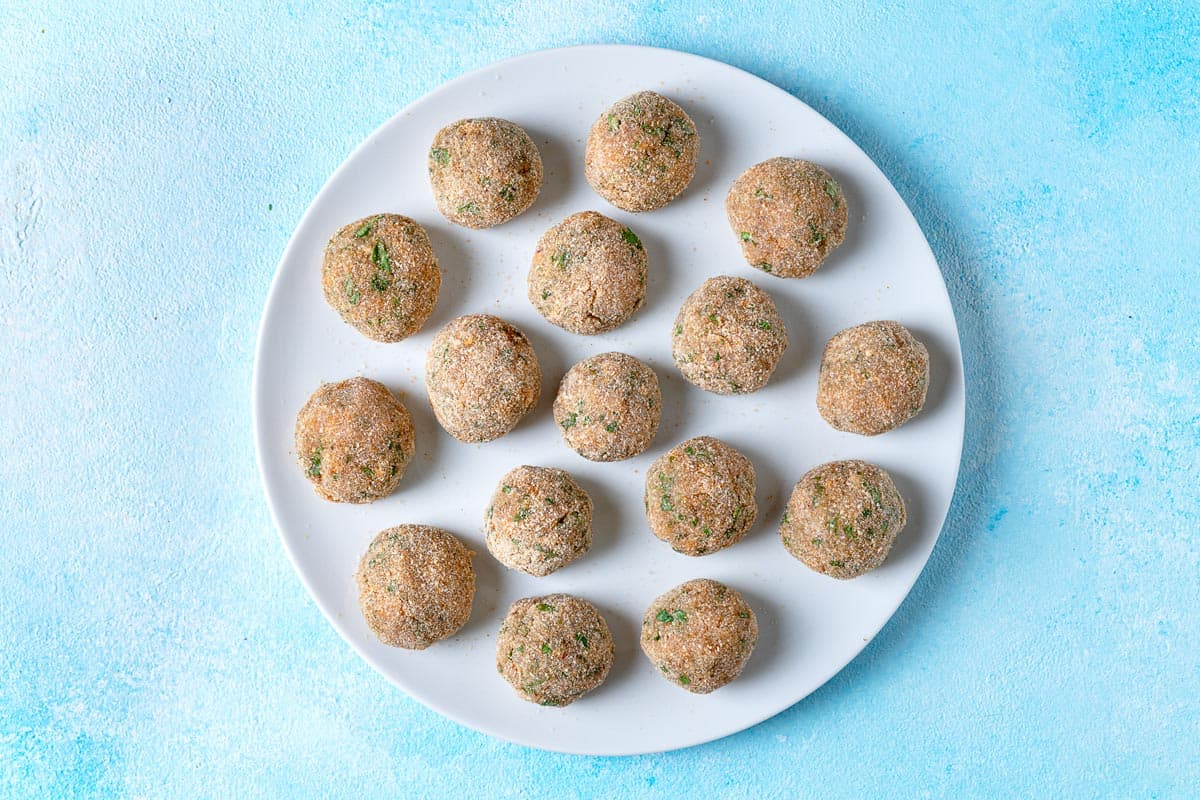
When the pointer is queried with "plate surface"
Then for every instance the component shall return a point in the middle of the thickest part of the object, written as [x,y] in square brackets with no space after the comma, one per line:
[810,625]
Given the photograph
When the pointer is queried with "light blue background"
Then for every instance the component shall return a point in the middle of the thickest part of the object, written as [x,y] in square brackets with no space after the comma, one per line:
[153,638]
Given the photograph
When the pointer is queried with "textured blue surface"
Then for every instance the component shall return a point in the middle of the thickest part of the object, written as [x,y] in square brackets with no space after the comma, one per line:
[153,638]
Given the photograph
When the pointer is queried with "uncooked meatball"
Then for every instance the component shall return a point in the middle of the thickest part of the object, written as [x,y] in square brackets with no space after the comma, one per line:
[380,274]
[588,274]
[608,407]
[539,520]
[484,171]
[728,336]
[354,440]
[699,635]
[873,378]
[415,585]
[641,152]
[554,649]
[788,214]
[482,377]
[842,518]
[700,496]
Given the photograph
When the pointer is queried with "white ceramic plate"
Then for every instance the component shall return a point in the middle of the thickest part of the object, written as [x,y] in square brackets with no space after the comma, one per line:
[810,625]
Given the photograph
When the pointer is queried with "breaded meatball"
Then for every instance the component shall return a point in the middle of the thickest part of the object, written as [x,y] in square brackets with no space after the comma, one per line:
[641,152]
[728,336]
[842,518]
[484,171]
[380,274]
[873,378]
[415,585]
[539,520]
[699,635]
[354,440]
[482,376]
[608,407]
[700,496]
[554,649]
[588,274]
[789,214]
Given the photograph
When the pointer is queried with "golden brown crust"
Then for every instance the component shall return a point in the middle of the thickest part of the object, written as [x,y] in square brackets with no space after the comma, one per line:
[415,585]
[554,649]
[700,496]
[482,377]
[728,336]
[380,274]
[608,407]
[699,635]
[842,518]
[641,152]
[873,378]
[788,215]
[539,520]
[484,171]
[588,274]
[354,440]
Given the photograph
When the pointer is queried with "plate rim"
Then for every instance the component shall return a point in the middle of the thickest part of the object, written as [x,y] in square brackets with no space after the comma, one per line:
[272,301]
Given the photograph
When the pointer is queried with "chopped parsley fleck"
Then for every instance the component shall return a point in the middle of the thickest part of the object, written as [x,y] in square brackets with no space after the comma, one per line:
[631,237]
[544,607]
[746,237]
[508,193]
[379,256]
[545,293]
[569,421]
[365,229]
[545,647]
[614,122]
[764,266]
[352,292]
[837,563]
[561,259]
[520,515]
[817,236]
[379,283]
[506,489]
[579,637]
[314,464]
[831,189]
[611,427]
[468,207]
[684,679]
[678,330]
[763,324]
[663,616]
[439,155]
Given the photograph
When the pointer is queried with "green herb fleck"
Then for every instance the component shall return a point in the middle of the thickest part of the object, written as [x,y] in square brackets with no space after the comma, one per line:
[663,616]
[314,464]
[817,236]
[506,489]
[579,637]
[365,229]
[611,427]
[352,292]
[631,237]
[837,563]
[468,207]
[614,122]
[680,615]
[569,421]
[763,324]
[561,258]
[545,293]
[545,647]
[746,237]
[520,515]
[831,189]
[544,607]
[370,473]
[508,193]
[440,155]
[764,266]
[379,283]
[684,679]
[379,256]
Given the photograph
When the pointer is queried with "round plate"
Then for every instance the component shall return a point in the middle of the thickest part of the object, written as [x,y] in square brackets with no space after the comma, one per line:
[810,625]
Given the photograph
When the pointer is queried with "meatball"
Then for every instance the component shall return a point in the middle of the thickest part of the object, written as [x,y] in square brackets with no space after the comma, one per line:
[788,214]
[699,635]
[588,274]
[728,336]
[380,274]
[415,585]
[842,518]
[608,407]
[873,378]
[539,520]
[482,376]
[700,496]
[641,152]
[554,649]
[354,440]
[484,171]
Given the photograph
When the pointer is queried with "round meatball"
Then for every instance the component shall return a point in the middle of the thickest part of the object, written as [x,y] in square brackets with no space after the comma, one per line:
[842,518]
[588,274]
[354,440]
[415,585]
[873,378]
[554,649]
[641,152]
[380,274]
[728,337]
[482,376]
[788,214]
[699,635]
[539,520]
[484,171]
[608,407]
[700,496]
